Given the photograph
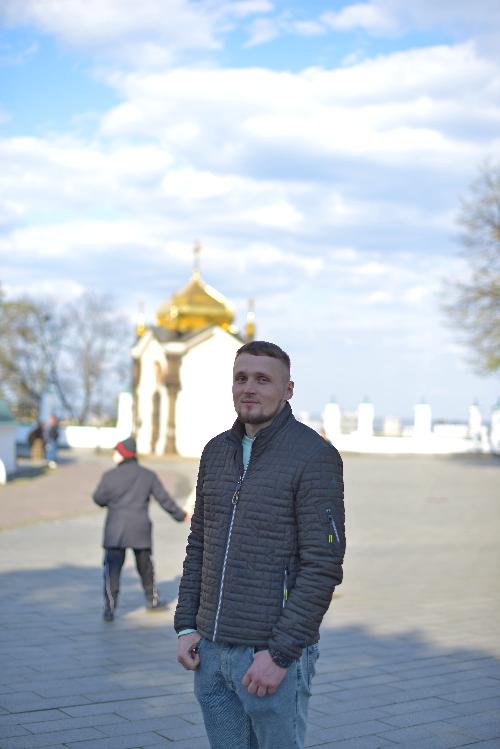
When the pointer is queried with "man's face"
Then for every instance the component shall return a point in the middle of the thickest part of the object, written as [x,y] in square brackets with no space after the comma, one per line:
[261,387]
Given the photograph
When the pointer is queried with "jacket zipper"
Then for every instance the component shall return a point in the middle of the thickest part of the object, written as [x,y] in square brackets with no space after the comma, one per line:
[234,500]
[285,587]
[334,527]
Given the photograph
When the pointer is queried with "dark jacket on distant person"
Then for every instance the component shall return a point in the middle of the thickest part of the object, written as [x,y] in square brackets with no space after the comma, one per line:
[262,572]
[125,491]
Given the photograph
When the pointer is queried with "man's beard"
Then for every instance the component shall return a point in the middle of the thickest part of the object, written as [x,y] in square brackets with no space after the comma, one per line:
[261,418]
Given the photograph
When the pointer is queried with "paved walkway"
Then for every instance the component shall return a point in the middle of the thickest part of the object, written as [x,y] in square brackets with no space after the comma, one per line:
[410,650]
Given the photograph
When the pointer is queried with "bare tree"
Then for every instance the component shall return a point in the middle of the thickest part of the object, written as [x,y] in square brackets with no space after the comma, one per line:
[30,351]
[473,304]
[80,349]
[97,357]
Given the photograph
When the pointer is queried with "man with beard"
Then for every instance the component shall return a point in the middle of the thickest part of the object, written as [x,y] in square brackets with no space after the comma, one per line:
[264,555]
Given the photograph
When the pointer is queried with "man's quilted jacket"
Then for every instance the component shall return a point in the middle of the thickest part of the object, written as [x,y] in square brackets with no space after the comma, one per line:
[264,554]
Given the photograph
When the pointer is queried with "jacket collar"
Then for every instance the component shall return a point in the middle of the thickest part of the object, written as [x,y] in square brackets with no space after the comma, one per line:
[126,461]
[264,435]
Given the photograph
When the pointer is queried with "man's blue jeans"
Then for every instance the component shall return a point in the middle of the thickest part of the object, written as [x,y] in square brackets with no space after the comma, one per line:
[235,719]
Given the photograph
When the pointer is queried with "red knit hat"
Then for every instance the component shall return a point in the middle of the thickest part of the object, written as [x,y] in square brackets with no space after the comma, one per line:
[127,448]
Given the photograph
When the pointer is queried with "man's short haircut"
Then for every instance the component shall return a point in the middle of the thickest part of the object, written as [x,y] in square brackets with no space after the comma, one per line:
[265,348]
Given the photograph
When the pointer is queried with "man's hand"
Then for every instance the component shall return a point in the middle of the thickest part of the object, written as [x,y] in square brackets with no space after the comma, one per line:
[264,676]
[187,651]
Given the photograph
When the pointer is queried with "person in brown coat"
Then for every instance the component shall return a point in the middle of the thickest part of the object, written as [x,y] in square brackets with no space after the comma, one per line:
[125,491]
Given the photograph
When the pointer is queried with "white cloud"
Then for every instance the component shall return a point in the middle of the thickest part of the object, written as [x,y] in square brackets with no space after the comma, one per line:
[67,289]
[456,19]
[95,24]
[243,8]
[455,15]
[369,16]
[280,215]
[13,57]
[421,104]
[224,153]
[373,268]
[379,297]
[151,33]
[263,30]
[67,239]
[329,195]
[416,294]
[462,19]
[308,28]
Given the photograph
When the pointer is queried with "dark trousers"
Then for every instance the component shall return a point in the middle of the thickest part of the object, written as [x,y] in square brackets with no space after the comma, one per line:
[113,563]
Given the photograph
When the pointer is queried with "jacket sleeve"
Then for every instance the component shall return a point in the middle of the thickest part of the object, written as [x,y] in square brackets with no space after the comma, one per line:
[165,500]
[102,495]
[190,585]
[319,508]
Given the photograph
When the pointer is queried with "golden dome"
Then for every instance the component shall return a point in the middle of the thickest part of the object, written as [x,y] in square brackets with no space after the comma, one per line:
[195,306]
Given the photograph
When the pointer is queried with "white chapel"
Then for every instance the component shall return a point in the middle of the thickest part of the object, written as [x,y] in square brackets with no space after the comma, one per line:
[182,370]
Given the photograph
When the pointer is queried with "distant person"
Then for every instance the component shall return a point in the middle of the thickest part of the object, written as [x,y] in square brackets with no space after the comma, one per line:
[125,491]
[36,441]
[51,436]
[263,558]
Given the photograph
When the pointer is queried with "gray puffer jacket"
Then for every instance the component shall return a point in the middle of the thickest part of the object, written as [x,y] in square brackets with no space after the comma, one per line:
[262,562]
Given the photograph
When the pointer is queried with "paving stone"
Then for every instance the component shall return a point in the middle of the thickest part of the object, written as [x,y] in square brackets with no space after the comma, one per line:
[102,721]
[94,708]
[22,701]
[183,732]
[410,652]
[37,716]
[346,717]
[165,726]
[485,730]
[420,718]
[45,739]
[438,742]
[7,731]
[359,742]
[478,719]
[415,706]
[191,743]
[352,730]
[426,731]
[137,741]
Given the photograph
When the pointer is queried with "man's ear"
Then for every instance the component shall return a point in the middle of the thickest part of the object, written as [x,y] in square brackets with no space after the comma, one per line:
[289,390]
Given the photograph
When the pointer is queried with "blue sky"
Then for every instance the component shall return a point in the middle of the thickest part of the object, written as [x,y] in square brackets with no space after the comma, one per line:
[317,150]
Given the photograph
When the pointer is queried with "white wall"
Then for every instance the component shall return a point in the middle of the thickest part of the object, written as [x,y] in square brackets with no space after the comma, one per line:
[125,423]
[104,437]
[8,448]
[162,433]
[205,402]
[75,436]
[430,445]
